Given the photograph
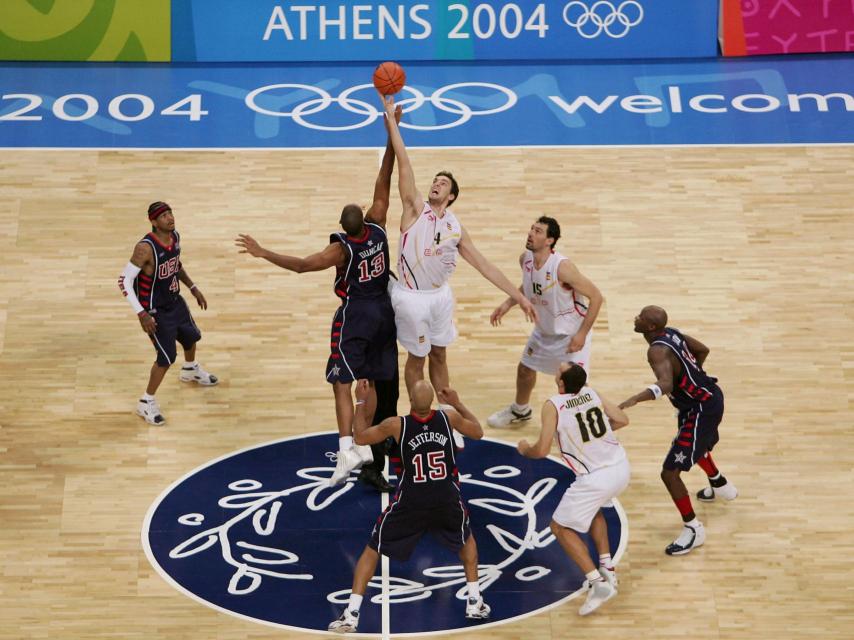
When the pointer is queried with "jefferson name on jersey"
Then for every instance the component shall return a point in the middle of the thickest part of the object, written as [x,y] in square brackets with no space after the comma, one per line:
[425,437]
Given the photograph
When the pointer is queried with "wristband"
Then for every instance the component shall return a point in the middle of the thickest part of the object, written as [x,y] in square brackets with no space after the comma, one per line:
[656,391]
[195,286]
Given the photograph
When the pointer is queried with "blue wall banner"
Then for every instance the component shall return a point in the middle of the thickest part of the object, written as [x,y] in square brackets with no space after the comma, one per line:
[723,101]
[331,30]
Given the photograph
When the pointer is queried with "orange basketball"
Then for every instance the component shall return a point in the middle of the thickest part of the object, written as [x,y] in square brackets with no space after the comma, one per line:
[389,78]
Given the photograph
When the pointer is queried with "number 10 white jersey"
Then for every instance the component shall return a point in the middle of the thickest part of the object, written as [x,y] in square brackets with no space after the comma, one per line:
[584,434]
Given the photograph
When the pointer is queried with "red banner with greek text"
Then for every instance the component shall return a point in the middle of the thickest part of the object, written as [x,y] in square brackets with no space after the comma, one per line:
[766,27]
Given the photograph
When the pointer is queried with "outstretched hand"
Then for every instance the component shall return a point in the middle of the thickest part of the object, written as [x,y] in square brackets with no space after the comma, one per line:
[248,245]
[363,389]
[388,105]
[625,404]
[500,311]
[528,309]
[398,111]
[448,396]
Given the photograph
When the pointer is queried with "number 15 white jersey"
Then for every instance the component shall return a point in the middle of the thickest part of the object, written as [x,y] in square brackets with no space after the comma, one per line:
[584,433]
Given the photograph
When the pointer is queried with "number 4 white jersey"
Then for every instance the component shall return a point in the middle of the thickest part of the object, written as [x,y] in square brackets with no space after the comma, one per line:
[584,434]
[428,250]
[560,310]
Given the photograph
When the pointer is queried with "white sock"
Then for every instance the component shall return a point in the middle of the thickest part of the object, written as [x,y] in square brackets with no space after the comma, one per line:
[605,561]
[345,443]
[594,576]
[190,365]
[693,524]
[520,408]
[355,602]
[147,397]
[474,589]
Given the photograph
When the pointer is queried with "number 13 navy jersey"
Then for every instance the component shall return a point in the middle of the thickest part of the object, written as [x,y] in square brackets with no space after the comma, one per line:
[365,274]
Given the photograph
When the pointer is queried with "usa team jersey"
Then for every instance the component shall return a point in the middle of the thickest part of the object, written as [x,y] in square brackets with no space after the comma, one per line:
[161,289]
[692,385]
[427,255]
[584,433]
[365,275]
[560,310]
[430,475]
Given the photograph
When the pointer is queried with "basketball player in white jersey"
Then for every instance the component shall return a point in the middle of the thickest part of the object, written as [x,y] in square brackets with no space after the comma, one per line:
[583,423]
[431,238]
[567,304]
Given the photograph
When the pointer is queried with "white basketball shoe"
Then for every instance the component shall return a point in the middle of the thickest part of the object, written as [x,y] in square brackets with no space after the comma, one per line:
[150,410]
[198,375]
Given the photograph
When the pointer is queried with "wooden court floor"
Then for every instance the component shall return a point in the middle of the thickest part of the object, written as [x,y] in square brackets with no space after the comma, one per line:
[749,249]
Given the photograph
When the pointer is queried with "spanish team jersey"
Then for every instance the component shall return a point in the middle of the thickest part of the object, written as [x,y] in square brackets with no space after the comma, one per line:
[692,385]
[560,310]
[365,274]
[584,433]
[427,255]
[430,475]
[160,289]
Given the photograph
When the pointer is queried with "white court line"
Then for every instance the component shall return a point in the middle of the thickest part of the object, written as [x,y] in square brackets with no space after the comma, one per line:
[385,572]
[386,604]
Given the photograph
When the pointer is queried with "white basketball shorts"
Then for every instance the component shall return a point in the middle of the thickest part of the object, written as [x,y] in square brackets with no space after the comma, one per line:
[589,493]
[544,353]
[424,318]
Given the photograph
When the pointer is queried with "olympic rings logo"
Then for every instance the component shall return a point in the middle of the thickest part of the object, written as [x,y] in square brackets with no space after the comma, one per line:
[603,16]
[368,111]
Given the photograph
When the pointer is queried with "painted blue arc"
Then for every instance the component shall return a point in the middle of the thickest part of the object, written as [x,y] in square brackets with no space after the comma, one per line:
[257,534]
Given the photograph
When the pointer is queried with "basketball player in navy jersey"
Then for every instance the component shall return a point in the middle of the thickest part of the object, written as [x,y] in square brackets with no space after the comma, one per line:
[150,282]
[427,499]
[677,361]
[363,338]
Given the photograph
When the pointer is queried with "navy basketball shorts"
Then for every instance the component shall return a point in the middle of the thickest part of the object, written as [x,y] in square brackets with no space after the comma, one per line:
[698,434]
[399,528]
[174,323]
[363,341]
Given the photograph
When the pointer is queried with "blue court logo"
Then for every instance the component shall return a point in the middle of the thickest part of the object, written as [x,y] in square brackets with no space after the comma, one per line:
[258,534]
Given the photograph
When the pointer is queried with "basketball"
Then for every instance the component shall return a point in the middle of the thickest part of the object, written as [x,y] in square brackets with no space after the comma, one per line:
[389,78]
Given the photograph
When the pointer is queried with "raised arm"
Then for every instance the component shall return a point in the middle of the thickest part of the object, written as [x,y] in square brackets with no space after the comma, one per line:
[659,359]
[362,433]
[331,256]
[492,273]
[378,211]
[541,448]
[569,274]
[696,347]
[411,198]
[460,418]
